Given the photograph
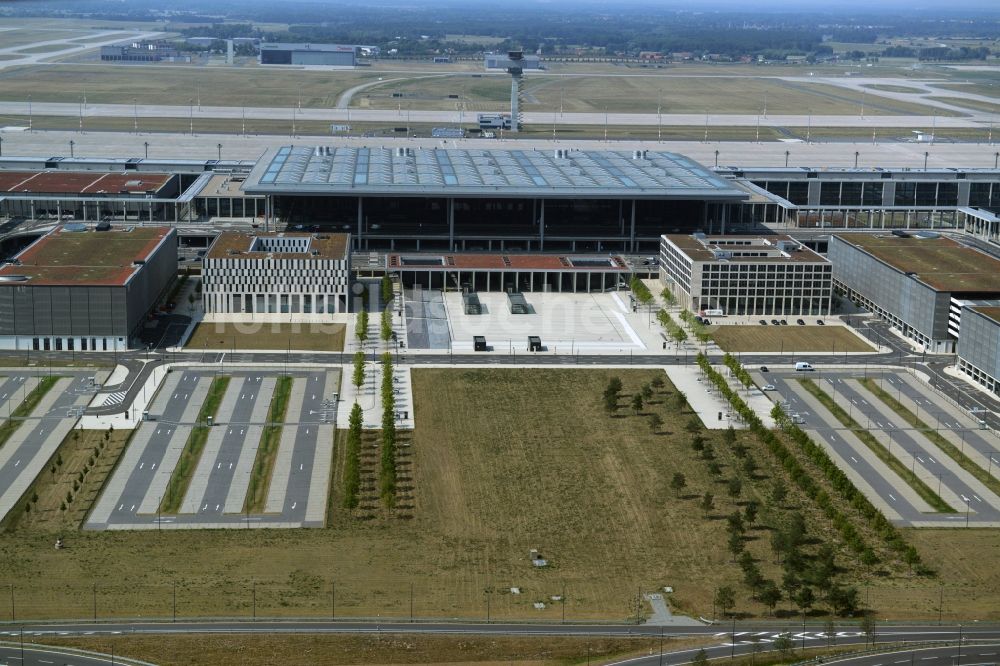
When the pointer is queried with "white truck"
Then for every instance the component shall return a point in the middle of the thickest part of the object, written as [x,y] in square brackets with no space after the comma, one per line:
[802,366]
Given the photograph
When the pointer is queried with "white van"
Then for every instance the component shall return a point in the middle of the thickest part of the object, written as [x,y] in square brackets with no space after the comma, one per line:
[802,366]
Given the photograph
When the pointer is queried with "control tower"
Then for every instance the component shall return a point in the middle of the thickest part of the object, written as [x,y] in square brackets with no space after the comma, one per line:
[514,63]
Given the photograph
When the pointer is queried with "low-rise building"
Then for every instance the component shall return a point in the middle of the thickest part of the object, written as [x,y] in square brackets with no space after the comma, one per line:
[918,282]
[331,55]
[295,273]
[78,289]
[745,275]
[979,346]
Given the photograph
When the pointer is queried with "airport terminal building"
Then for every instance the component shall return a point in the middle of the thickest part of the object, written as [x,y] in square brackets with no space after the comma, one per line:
[492,199]
[266,273]
[921,283]
[79,289]
[745,275]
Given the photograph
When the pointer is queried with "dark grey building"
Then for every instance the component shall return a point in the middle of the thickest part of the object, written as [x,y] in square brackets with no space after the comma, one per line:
[78,289]
[979,346]
[330,55]
[917,282]
[154,51]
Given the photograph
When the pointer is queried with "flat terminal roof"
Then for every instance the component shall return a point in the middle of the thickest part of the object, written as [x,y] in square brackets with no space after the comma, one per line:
[81,182]
[992,312]
[224,185]
[291,46]
[702,250]
[333,170]
[941,263]
[86,258]
[233,244]
[501,262]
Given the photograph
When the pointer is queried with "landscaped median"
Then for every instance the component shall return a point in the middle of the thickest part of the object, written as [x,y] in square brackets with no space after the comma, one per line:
[188,462]
[8,427]
[263,465]
[939,440]
[922,489]
[835,476]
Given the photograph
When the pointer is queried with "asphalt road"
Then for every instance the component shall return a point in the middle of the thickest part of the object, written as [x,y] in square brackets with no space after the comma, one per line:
[954,655]
[728,639]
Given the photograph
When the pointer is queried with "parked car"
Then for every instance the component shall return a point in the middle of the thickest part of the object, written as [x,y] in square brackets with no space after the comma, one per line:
[763,322]
[775,322]
[763,368]
[800,322]
[784,322]
[820,322]
[767,387]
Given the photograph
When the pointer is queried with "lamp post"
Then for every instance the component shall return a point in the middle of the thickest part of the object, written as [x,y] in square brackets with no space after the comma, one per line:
[29,113]
[717,158]
[219,146]
[135,115]
[191,116]
[787,153]
[926,155]
[71,144]
[856,154]
[145,144]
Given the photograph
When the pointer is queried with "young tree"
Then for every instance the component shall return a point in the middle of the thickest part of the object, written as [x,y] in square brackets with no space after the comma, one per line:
[614,385]
[844,600]
[868,627]
[386,325]
[725,598]
[693,425]
[730,436]
[655,423]
[359,369]
[697,443]
[707,452]
[610,404]
[680,400]
[637,403]
[734,522]
[647,392]
[714,468]
[779,493]
[678,482]
[700,659]
[805,599]
[657,382]
[770,595]
[750,513]
[784,645]
[734,487]
[749,466]
[386,289]
[361,326]
[707,502]
[735,544]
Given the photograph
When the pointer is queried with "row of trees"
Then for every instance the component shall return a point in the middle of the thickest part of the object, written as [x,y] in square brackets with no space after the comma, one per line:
[388,476]
[834,475]
[700,332]
[361,326]
[641,291]
[358,376]
[386,327]
[352,465]
[673,329]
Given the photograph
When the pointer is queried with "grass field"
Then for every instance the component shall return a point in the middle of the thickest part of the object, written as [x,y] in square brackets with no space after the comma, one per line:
[27,36]
[789,339]
[172,84]
[987,89]
[549,471]
[63,497]
[637,93]
[976,104]
[47,48]
[326,650]
[300,337]
[888,87]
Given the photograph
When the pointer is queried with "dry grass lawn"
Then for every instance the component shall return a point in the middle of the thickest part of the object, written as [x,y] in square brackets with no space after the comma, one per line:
[301,337]
[791,339]
[327,650]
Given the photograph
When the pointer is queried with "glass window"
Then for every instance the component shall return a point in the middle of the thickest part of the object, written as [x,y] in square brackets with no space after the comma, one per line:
[872,195]
[829,194]
[947,194]
[926,194]
[798,193]
[905,194]
[979,194]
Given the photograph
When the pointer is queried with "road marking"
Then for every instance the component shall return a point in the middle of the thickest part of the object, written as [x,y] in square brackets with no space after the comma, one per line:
[17,463]
[141,465]
[132,509]
[932,460]
[121,506]
[300,467]
[204,507]
[854,459]
[977,498]
[878,424]
[964,498]
[293,504]
[230,465]
[152,467]
[216,507]
[891,497]
[920,459]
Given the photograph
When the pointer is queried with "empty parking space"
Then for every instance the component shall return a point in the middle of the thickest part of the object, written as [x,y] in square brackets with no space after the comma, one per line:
[216,495]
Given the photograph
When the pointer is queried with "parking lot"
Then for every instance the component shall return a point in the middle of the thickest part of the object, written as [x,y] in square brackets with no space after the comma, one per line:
[26,452]
[217,491]
[915,448]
